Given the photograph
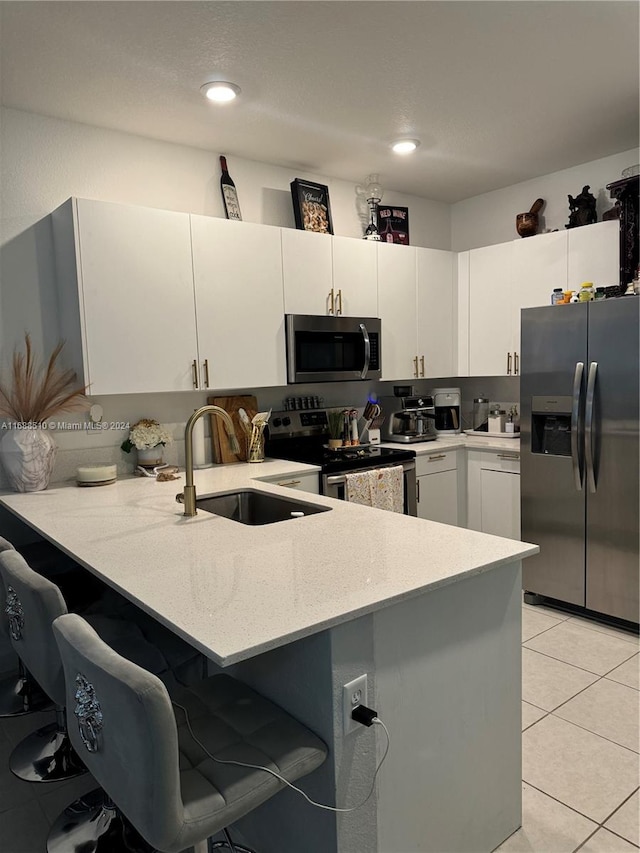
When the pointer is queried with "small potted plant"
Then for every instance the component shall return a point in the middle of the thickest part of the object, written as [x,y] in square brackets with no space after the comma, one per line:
[149,438]
[336,427]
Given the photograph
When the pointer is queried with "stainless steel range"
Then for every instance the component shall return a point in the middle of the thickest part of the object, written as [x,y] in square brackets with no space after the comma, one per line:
[302,436]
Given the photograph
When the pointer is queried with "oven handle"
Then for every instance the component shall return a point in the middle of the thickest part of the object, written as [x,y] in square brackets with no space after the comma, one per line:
[367,351]
[340,479]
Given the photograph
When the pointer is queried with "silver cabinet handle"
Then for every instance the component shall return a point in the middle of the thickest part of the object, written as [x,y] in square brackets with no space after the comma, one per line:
[367,350]
[415,367]
[194,370]
[422,367]
[575,425]
[508,364]
[508,456]
[439,456]
[291,483]
[516,363]
[588,425]
[418,490]
[339,303]
[206,372]
[332,302]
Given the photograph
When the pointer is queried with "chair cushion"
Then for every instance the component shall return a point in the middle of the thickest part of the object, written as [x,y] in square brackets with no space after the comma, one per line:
[233,722]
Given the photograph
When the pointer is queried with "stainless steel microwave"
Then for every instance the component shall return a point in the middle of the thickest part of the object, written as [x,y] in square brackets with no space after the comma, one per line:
[332,349]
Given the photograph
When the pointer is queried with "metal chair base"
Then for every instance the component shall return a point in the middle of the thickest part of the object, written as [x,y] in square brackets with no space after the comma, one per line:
[19,694]
[228,844]
[46,755]
[93,824]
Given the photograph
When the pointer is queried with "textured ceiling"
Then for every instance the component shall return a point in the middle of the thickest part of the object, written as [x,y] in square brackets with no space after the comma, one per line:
[498,92]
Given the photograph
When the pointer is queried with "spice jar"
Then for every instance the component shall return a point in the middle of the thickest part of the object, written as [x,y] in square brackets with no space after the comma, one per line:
[587,291]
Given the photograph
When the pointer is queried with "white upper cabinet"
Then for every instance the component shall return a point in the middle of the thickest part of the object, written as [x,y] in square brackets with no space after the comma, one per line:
[594,255]
[237,268]
[490,313]
[355,277]
[307,268]
[435,313]
[504,279]
[397,305]
[126,295]
[539,264]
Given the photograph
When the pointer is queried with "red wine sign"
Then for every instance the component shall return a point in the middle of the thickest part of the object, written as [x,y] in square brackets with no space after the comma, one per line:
[393,224]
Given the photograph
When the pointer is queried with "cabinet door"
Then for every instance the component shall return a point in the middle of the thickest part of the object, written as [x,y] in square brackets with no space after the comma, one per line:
[500,502]
[490,317]
[397,303]
[307,482]
[438,497]
[594,254]
[137,287]
[355,277]
[435,300]
[237,270]
[539,264]
[307,271]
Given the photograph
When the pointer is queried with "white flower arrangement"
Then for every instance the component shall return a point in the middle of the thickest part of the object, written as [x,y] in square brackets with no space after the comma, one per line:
[145,434]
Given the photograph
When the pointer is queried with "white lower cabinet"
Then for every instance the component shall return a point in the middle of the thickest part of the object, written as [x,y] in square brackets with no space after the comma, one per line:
[440,497]
[307,482]
[493,490]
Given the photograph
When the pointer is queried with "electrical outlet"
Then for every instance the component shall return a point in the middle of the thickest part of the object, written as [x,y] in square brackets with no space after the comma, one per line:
[353,694]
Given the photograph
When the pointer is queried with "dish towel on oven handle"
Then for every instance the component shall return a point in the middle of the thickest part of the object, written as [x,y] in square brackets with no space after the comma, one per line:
[382,488]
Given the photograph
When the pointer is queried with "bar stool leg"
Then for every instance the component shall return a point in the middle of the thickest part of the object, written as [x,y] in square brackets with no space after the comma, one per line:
[94,824]
[228,844]
[20,694]
[46,755]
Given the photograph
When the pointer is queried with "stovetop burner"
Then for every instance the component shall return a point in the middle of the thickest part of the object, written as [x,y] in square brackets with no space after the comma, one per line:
[303,439]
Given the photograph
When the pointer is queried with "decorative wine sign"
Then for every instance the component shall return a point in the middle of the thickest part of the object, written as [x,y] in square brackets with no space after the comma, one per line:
[393,224]
[229,193]
[311,206]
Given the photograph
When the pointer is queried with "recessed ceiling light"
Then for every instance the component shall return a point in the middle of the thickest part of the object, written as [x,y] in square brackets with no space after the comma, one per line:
[220,91]
[405,146]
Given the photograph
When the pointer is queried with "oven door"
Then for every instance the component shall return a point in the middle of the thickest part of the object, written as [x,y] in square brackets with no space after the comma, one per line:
[335,485]
[332,349]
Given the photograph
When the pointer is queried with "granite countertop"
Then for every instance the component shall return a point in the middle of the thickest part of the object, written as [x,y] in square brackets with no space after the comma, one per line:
[233,590]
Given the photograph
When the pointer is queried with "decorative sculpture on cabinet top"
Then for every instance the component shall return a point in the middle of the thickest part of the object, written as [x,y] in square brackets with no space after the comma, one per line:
[582,209]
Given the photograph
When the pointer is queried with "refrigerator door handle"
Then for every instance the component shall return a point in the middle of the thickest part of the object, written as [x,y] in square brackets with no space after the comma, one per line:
[575,424]
[588,425]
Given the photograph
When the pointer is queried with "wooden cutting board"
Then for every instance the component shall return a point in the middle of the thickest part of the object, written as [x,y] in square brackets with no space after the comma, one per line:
[219,443]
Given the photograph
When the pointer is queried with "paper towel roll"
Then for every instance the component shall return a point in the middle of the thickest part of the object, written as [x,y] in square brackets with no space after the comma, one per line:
[199,453]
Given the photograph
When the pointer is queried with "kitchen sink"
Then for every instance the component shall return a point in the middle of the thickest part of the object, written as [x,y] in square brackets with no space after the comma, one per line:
[249,506]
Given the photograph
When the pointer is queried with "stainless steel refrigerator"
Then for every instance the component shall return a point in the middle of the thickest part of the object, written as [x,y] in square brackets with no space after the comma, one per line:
[579,453]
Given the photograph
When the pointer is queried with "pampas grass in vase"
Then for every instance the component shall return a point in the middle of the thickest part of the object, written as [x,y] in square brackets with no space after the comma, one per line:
[33,395]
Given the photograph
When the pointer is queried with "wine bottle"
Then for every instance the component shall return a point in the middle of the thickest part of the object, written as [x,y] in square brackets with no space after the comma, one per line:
[229,193]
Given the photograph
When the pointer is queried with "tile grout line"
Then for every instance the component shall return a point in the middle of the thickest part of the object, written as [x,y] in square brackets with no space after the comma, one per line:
[599,675]
[596,734]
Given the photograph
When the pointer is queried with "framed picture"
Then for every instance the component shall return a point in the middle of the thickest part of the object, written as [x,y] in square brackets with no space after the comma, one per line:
[311,206]
[393,224]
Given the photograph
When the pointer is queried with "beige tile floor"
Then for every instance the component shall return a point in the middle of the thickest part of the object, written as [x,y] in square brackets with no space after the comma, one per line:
[580,752]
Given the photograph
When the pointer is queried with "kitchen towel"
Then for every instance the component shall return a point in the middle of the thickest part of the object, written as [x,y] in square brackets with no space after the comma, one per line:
[382,488]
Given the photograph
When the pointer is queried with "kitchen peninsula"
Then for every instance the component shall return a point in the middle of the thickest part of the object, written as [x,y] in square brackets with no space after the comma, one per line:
[430,612]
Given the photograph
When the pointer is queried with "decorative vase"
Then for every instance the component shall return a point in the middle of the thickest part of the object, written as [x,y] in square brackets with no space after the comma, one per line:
[28,455]
[148,457]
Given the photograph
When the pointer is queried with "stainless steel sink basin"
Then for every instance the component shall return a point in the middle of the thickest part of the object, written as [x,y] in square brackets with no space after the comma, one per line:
[249,506]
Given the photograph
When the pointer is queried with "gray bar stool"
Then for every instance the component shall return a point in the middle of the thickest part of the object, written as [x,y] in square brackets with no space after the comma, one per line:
[136,741]
[20,693]
[32,603]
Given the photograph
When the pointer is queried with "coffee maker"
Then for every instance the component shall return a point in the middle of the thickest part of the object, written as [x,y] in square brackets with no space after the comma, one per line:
[409,419]
[446,403]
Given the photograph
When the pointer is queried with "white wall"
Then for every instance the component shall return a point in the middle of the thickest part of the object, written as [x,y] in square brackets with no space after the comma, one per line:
[491,218]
